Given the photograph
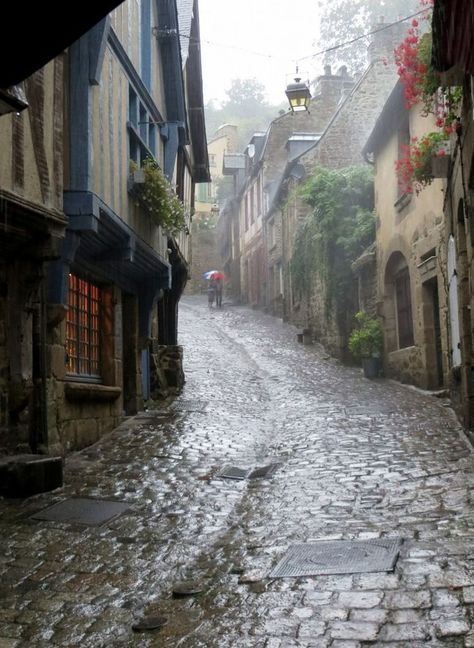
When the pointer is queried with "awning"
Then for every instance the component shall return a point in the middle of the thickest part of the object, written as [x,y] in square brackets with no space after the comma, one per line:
[453,29]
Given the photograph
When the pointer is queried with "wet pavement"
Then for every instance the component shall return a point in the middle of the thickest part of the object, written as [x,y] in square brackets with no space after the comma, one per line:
[187,563]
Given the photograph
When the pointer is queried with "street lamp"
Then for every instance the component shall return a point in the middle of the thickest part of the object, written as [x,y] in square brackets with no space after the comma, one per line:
[298,95]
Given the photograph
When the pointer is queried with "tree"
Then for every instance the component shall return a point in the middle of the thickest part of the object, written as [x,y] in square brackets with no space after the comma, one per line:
[245,107]
[245,95]
[343,20]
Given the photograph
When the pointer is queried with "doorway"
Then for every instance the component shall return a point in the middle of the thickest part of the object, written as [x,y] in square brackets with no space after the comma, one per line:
[432,333]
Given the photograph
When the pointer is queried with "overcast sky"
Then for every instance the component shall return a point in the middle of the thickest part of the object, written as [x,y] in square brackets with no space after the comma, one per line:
[231,30]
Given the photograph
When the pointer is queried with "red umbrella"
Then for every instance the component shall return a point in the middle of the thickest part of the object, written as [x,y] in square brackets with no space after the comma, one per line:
[216,275]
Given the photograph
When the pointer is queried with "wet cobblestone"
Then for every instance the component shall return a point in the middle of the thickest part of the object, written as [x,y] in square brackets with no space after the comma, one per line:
[358,459]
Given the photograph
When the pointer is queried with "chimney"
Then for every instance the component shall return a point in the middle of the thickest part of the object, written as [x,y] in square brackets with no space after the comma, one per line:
[332,85]
[385,40]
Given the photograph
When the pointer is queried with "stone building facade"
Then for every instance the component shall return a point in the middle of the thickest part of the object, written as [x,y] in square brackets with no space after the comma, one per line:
[91,334]
[453,57]
[268,157]
[339,145]
[411,252]
[32,226]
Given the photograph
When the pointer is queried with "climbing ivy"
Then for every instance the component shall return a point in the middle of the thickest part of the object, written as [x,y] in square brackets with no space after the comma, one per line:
[340,226]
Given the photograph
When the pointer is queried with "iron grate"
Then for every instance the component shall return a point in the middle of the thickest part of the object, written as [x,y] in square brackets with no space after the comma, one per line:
[190,405]
[82,510]
[233,472]
[338,557]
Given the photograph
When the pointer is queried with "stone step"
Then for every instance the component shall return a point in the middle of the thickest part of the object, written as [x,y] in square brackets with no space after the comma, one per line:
[28,474]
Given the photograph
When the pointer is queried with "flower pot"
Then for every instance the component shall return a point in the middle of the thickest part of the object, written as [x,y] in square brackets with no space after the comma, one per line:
[371,367]
[440,166]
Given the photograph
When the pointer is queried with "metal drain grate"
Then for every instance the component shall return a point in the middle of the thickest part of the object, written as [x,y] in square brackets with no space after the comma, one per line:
[338,557]
[233,472]
[190,405]
[368,410]
[264,471]
[81,510]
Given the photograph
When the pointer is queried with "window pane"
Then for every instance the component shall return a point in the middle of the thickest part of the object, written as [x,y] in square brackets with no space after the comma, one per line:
[82,328]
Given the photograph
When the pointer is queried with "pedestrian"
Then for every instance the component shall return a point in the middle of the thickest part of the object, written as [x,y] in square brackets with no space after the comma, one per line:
[211,292]
[219,288]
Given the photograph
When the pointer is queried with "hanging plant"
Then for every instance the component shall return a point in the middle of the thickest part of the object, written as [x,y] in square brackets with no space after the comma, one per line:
[415,167]
[158,199]
[422,86]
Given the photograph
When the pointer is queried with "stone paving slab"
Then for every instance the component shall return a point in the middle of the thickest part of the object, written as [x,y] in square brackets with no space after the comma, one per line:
[359,460]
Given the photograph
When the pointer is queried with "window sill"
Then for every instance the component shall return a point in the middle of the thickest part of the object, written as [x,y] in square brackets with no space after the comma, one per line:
[76,391]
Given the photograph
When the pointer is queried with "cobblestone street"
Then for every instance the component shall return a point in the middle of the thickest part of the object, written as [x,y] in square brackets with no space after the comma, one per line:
[357,460]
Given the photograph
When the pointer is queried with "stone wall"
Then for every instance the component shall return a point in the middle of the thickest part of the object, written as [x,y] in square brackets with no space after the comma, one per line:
[79,413]
[204,257]
[167,375]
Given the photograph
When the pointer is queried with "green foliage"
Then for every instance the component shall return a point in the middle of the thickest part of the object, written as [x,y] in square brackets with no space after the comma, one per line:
[366,341]
[337,231]
[158,199]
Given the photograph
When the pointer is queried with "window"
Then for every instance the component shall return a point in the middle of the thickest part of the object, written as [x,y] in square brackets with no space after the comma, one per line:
[404,316]
[82,328]
[142,131]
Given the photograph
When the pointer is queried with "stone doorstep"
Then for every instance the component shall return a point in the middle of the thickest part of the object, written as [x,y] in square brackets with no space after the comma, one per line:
[28,474]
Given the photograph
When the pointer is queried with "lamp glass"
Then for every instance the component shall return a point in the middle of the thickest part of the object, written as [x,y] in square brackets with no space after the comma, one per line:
[298,96]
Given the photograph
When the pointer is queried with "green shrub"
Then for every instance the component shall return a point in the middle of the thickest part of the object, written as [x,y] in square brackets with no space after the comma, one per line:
[366,340]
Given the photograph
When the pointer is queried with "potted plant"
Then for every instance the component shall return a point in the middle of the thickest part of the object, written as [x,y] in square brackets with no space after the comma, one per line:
[366,343]
[422,161]
[427,157]
[156,196]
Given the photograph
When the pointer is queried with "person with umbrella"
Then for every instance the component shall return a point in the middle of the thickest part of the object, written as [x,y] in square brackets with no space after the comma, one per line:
[215,286]
[219,286]
[211,292]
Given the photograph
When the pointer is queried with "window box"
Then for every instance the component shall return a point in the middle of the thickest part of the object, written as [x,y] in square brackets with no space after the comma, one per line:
[440,166]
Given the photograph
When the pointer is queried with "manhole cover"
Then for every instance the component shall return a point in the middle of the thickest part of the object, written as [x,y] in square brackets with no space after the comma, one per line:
[338,557]
[368,410]
[233,472]
[190,405]
[150,623]
[187,589]
[81,510]
[264,471]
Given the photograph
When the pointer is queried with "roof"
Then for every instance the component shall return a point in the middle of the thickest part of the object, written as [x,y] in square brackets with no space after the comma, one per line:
[387,120]
[35,35]
[185,21]
[452,28]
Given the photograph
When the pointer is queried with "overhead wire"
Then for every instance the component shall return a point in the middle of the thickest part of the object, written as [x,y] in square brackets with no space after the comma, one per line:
[312,55]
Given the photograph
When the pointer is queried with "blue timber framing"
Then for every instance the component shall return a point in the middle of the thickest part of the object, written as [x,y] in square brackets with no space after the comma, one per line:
[99,243]
[167,33]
